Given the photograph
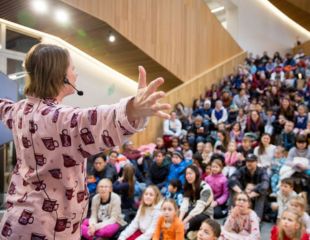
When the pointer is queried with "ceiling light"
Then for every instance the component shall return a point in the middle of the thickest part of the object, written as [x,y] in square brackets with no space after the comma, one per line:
[61,16]
[112,37]
[40,6]
[218,9]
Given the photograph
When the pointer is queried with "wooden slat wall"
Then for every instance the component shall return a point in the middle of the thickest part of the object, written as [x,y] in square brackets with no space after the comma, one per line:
[186,93]
[300,16]
[302,4]
[305,47]
[182,35]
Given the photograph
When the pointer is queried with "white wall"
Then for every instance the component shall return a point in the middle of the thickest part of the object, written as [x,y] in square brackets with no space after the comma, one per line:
[258,26]
[100,83]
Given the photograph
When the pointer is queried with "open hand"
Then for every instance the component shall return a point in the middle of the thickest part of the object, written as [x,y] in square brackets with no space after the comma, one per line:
[145,103]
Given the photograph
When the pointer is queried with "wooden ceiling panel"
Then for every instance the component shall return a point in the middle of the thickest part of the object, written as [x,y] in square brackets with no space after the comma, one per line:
[91,36]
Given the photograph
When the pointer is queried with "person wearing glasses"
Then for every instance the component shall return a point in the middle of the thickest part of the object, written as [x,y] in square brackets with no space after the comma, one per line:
[253,180]
[106,217]
[242,221]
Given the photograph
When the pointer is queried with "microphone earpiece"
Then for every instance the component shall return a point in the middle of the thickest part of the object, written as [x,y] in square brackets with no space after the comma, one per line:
[79,92]
[66,81]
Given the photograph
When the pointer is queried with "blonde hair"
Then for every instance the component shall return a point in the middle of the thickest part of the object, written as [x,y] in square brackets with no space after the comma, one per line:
[157,199]
[298,233]
[104,180]
[300,201]
[46,67]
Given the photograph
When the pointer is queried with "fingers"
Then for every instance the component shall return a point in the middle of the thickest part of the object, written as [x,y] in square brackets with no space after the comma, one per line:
[161,107]
[142,77]
[152,87]
[162,115]
[156,96]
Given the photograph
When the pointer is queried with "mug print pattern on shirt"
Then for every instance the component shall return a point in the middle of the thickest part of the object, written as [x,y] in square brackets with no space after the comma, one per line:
[52,144]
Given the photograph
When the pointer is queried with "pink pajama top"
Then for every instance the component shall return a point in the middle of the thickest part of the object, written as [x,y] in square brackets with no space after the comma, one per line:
[47,197]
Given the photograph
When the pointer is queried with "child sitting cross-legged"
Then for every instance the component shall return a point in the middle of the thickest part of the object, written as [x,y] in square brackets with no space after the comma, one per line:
[105,218]
[285,194]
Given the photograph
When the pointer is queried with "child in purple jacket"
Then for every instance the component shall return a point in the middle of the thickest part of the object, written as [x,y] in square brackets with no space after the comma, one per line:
[219,184]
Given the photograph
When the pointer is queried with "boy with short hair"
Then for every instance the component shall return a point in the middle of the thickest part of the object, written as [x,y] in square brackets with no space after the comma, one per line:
[288,136]
[285,194]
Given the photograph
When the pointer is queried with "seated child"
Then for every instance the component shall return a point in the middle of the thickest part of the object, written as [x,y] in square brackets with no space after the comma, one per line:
[285,194]
[206,170]
[105,218]
[290,227]
[242,222]
[277,162]
[92,183]
[169,226]
[231,159]
[187,151]
[144,223]
[209,230]
[174,191]
[219,185]
[299,204]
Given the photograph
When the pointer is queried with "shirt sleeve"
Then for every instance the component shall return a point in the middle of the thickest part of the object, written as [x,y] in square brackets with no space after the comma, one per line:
[92,130]
[206,197]
[6,109]
[156,235]
[150,230]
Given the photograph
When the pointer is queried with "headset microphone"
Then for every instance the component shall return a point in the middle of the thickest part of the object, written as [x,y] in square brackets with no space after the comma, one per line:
[79,92]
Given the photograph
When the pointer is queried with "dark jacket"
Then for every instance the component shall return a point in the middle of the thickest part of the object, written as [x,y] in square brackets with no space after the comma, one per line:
[158,174]
[109,171]
[242,177]
[122,188]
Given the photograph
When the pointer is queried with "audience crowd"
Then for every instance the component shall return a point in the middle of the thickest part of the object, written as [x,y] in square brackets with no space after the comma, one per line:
[241,153]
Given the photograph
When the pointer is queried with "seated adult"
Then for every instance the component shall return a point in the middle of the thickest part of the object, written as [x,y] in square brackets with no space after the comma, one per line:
[172,128]
[241,99]
[198,197]
[159,169]
[242,222]
[255,124]
[198,132]
[253,180]
[204,112]
[105,218]
[219,114]
[103,169]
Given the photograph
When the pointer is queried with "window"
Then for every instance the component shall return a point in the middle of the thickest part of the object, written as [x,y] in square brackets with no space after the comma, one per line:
[19,42]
